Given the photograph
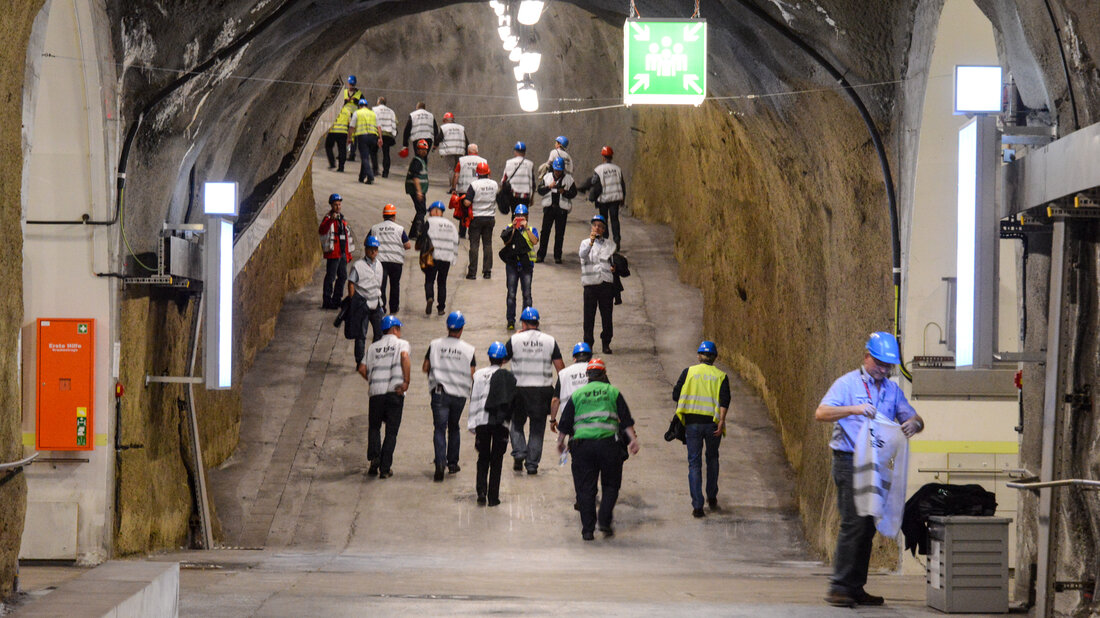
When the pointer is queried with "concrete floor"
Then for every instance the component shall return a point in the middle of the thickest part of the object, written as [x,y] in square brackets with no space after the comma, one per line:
[306,532]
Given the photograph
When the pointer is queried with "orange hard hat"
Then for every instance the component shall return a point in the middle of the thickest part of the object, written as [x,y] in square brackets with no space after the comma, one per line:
[596,364]
[607,151]
[389,209]
[421,143]
[448,116]
[482,169]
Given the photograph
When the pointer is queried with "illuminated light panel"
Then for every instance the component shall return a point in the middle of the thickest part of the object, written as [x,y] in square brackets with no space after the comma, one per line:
[528,97]
[967,206]
[977,89]
[225,305]
[220,198]
[530,61]
[529,12]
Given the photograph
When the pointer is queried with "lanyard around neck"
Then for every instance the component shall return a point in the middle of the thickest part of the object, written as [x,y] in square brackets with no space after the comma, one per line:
[863,377]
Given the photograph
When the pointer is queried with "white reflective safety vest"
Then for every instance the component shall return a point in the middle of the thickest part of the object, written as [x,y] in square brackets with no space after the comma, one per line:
[444,237]
[596,261]
[454,139]
[564,203]
[479,394]
[520,173]
[367,277]
[485,197]
[570,379]
[611,183]
[383,360]
[449,359]
[558,152]
[467,171]
[387,120]
[391,248]
[531,364]
[422,125]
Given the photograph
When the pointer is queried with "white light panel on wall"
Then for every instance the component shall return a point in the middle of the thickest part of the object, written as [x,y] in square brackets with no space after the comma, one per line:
[977,89]
[967,205]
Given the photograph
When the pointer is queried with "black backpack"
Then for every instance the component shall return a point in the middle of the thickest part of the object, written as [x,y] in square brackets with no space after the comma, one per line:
[620,264]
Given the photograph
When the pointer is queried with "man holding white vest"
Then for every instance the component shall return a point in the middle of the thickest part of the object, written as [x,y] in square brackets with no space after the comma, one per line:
[609,188]
[536,359]
[450,366]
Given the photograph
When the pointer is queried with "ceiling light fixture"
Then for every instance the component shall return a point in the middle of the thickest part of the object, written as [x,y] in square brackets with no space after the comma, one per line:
[529,12]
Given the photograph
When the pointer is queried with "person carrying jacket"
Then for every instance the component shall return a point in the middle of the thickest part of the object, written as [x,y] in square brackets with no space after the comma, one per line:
[338,246]
[492,405]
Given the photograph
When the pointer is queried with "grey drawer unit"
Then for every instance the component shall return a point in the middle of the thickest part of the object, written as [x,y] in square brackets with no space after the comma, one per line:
[968,564]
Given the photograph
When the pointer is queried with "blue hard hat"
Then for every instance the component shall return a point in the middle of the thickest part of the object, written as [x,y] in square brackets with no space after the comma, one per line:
[708,347]
[582,348]
[364,102]
[599,218]
[372,241]
[530,314]
[455,320]
[558,164]
[497,350]
[351,80]
[521,210]
[884,347]
[520,146]
[563,140]
[335,197]
[437,204]
[389,322]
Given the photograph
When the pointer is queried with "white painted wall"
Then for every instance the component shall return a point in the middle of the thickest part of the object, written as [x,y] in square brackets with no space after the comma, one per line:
[68,170]
[964,36]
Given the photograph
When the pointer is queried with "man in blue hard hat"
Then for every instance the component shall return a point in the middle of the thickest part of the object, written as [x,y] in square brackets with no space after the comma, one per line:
[518,180]
[557,189]
[518,254]
[491,410]
[570,379]
[561,143]
[702,395]
[598,280]
[365,279]
[450,366]
[536,359]
[388,369]
[855,397]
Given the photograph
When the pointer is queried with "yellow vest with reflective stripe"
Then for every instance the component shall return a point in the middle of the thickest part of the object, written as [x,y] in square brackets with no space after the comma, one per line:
[365,122]
[341,124]
[699,394]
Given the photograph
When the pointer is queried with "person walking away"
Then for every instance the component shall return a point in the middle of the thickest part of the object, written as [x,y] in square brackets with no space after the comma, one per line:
[365,128]
[597,277]
[464,173]
[608,188]
[444,238]
[337,137]
[453,142]
[387,371]
[491,408]
[569,380]
[561,143]
[702,396]
[352,94]
[593,418]
[387,128]
[519,177]
[536,359]
[518,254]
[450,366]
[416,186]
[557,189]
[420,126]
[481,200]
[365,279]
[393,242]
[338,246]
[854,398]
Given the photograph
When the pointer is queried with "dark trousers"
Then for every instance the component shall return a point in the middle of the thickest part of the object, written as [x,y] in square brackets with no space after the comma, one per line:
[433,274]
[340,141]
[391,276]
[387,142]
[596,460]
[491,442]
[447,410]
[610,212]
[481,231]
[421,208]
[534,406]
[853,541]
[698,435]
[336,277]
[553,217]
[385,409]
[368,152]
[518,274]
[601,296]
[373,319]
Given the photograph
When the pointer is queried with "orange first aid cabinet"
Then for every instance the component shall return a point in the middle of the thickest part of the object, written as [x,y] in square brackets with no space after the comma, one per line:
[64,418]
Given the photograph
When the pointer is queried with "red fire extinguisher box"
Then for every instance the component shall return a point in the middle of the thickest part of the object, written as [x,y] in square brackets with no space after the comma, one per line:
[64,417]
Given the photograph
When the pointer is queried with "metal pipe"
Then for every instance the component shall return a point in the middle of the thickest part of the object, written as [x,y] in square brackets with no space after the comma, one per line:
[200,473]
[1035,485]
[18,465]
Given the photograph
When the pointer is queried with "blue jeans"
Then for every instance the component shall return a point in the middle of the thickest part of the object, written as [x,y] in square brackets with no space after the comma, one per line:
[853,541]
[447,410]
[698,434]
[518,274]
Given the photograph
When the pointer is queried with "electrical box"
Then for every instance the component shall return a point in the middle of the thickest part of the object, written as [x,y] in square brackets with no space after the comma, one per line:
[64,417]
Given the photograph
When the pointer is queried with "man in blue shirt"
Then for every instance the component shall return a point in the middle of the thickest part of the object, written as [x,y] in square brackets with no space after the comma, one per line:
[857,394]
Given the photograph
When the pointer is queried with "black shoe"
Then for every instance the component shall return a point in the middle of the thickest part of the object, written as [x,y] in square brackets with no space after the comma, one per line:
[517,464]
[481,499]
[438,473]
[838,598]
[862,598]
[471,276]
[532,471]
[607,532]
[698,513]
[539,259]
[332,167]
[340,169]
[495,502]
[607,349]
[486,275]
[557,260]
[453,468]
[385,474]
[713,503]
[370,181]
[428,309]
[576,506]
[442,311]
[588,536]
[373,470]
[385,174]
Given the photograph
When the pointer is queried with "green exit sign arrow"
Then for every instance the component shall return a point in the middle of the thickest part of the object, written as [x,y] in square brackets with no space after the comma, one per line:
[664,61]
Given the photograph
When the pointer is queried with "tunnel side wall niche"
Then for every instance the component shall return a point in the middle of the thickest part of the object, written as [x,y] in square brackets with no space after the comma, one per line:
[154,494]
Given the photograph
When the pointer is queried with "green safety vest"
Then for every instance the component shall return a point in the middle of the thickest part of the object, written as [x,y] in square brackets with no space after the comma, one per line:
[699,394]
[594,411]
[341,124]
[366,122]
[529,239]
[410,188]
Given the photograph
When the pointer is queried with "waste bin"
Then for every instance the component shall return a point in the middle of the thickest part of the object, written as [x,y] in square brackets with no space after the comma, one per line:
[968,564]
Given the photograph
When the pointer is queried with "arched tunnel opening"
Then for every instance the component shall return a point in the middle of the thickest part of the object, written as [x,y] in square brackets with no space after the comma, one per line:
[802,206]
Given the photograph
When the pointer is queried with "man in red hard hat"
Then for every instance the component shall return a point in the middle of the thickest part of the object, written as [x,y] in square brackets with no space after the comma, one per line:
[453,142]
[608,190]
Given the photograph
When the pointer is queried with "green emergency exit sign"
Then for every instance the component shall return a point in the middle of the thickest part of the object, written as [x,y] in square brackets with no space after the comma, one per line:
[664,61]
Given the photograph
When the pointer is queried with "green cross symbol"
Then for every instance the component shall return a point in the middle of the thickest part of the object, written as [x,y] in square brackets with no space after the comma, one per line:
[665,61]
[82,329]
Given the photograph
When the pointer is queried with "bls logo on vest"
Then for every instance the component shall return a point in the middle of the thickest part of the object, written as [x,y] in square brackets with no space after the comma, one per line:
[876,441]
[450,351]
[532,344]
[386,349]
